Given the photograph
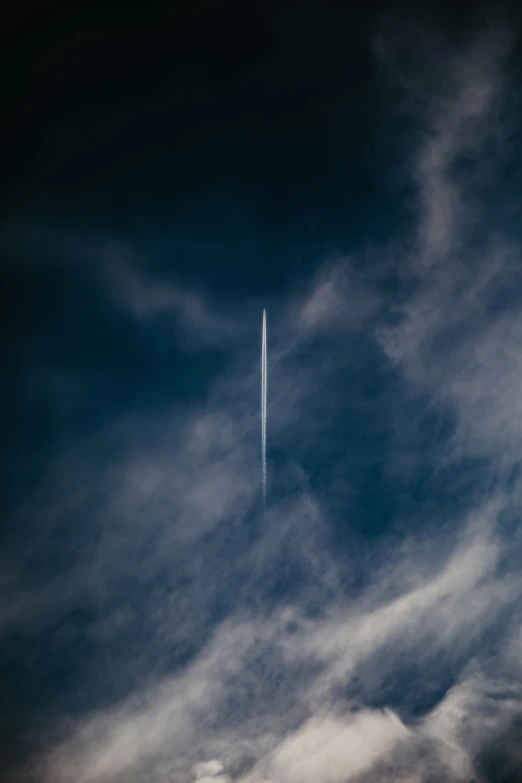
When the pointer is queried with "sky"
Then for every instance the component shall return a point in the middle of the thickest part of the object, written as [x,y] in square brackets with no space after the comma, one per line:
[169,172]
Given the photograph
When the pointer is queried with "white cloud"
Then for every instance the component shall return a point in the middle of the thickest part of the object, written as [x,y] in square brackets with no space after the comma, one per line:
[330,750]
[214,779]
[290,732]
[208,769]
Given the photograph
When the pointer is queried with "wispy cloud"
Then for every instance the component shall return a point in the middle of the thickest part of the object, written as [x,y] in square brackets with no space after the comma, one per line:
[340,298]
[145,297]
[245,697]
[261,649]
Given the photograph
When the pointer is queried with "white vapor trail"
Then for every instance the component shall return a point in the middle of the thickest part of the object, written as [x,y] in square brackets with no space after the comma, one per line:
[263,406]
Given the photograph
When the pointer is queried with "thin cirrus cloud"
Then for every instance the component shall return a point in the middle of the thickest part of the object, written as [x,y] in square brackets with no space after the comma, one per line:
[145,298]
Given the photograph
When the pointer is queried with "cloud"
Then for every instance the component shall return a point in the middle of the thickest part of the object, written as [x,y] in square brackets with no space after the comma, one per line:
[144,297]
[475,713]
[218,778]
[209,769]
[281,647]
[328,750]
[172,712]
[460,126]
[263,691]
[451,338]
[339,298]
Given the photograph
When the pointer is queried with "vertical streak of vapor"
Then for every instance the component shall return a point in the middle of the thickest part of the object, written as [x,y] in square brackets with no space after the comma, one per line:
[263,406]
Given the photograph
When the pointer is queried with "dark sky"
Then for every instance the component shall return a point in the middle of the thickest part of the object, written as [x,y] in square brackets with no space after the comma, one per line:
[168,171]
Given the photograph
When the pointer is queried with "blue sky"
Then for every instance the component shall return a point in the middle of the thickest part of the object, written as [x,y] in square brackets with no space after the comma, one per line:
[355,175]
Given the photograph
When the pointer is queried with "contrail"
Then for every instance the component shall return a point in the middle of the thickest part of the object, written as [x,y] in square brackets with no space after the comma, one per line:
[263,406]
